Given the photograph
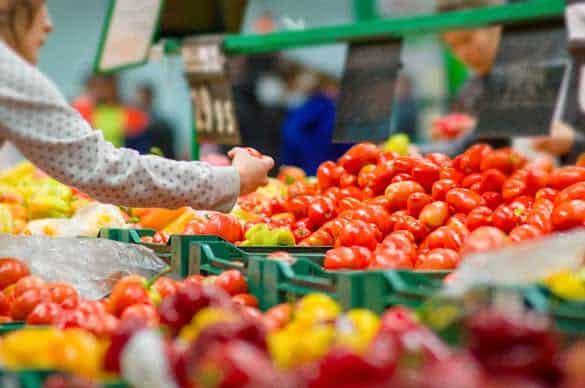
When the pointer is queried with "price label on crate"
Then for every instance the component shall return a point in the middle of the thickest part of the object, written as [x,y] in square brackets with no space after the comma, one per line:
[367,91]
[520,94]
[211,93]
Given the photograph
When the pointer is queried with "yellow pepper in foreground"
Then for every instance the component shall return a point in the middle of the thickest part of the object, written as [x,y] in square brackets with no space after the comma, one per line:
[567,285]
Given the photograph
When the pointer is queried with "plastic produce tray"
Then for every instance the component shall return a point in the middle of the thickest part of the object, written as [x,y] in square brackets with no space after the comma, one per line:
[568,316]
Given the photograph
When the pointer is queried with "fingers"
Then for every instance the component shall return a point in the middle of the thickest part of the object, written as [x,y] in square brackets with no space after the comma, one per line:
[234,151]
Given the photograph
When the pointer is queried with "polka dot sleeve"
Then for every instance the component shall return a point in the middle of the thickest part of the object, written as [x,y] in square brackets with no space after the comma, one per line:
[37,119]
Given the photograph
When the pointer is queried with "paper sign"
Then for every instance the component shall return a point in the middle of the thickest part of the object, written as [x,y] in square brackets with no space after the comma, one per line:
[128,33]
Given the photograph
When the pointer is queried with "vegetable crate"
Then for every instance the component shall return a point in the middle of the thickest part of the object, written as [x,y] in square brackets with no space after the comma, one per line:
[568,316]
[8,327]
[36,379]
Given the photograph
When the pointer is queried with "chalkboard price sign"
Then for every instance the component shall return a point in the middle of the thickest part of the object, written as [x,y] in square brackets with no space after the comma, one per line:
[520,94]
[367,91]
[574,98]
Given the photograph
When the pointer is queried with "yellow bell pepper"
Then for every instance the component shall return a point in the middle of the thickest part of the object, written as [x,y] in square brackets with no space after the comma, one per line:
[567,285]
[357,329]
[315,308]
[295,345]
[178,225]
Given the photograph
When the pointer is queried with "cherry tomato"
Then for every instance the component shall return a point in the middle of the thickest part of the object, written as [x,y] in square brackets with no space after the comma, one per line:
[505,159]
[504,218]
[328,175]
[492,180]
[348,204]
[403,165]
[4,305]
[11,271]
[402,178]
[463,200]
[27,301]
[546,193]
[347,180]
[72,319]
[335,227]
[358,156]
[443,237]
[359,233]
[391,258]
[438,259]
[441,187]
[354,257]
[434,214]
[218,224]
[525,233]
[165,286]
[540,215]
[414,226]
[491,199]
[470,180]
[426,173]
[232,281]
[450,173]
[416,202]
[28,283]
[301,188]
[399,192]
[350,191]
[245,300]
[302,229]
[124,295]
[63,294]
[196,279]
[470,160]
[480,216]
[401,241]
[283,219]
[366,175]
[320,211]
[372,214]
[482,239]
[383,174]
[458,223]
[438,158]
[575,191]
[319,238]
[569,214]
[566,176]
[147,313]
[299,205]
[46,313]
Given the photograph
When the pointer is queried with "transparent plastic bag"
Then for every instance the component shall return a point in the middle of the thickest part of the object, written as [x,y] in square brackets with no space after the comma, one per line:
[91,265]
[521,264]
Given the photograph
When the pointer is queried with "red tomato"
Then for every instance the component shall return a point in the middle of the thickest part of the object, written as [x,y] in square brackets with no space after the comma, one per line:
[350,191]
[232,281]
[105,326]
[278,316]
[319,238]
[450,173]
[504,218]
[359,233]
[375,215]
[301,188]
[282,219]
[540,215]
[196,279]
[404,165]
[124,295]
[441,187]
[492,180]
[470,180]
[416,202]
[328,175]
[299,205]
[569,214]
[391,258]
[434,214]
[505,159]
[383,174]
[348,204]
[91,307]
[426,173]
[347,180]
[512,188]
[277,206]
[4,305]
[320,211]
[302,229]
[575,191]
[387,156]
[27,283]
[11,271]
[72,319]
[46,313]
[366,175]
[566,176]
[491,199]
[355,257]
[398,193]
[546,193]
[358,156]
[414,226]
[525,233]
[438,158]
[457,222]
[147,313]
[438,259]
[402,178]
[463,200]
[368,193]
[443,237]
[245,300]
[165,286]
[63,294]
[480,216]
[218,224]
[483,239]
[401,241]
[27,301]
[335,227]
[470,160]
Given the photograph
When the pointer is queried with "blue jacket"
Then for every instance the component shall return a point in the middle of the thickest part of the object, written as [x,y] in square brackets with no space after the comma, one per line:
[307,134]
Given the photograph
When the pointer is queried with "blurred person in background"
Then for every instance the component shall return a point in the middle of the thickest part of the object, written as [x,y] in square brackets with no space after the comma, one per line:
[159,132]
[477,48]
[38,120]
[307,131]
[405,113]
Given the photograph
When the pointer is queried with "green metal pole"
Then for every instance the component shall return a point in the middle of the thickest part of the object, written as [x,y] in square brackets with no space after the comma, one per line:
[194,141]
[364,10]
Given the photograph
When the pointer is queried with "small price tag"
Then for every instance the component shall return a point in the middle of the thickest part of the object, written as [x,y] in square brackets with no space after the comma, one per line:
[367,91]
[521,92]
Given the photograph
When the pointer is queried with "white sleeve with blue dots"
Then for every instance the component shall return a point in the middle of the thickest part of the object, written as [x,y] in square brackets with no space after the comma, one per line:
[37,119]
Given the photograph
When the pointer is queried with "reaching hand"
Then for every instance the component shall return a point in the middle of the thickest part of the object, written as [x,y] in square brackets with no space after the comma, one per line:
[559,142]
[252,166]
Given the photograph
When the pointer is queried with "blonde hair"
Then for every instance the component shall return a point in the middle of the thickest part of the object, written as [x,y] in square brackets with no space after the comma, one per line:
[16,17]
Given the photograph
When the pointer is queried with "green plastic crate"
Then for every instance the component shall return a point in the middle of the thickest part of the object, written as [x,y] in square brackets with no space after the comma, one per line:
[36,379]
[6,328]
[568,316]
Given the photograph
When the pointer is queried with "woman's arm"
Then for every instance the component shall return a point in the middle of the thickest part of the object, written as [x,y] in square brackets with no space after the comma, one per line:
[36,118]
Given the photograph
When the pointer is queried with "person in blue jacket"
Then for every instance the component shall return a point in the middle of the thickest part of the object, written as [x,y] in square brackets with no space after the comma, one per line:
[307,131]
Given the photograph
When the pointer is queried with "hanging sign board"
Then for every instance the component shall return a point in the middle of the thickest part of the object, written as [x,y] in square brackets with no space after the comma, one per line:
[573,112]
[128,33]
[521,93]
[367,91]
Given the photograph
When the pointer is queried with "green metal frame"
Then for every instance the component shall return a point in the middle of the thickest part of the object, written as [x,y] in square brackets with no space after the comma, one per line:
[364,10]
[368,30]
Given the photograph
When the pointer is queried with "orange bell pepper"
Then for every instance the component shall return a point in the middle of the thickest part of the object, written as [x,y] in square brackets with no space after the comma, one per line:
[159,218]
